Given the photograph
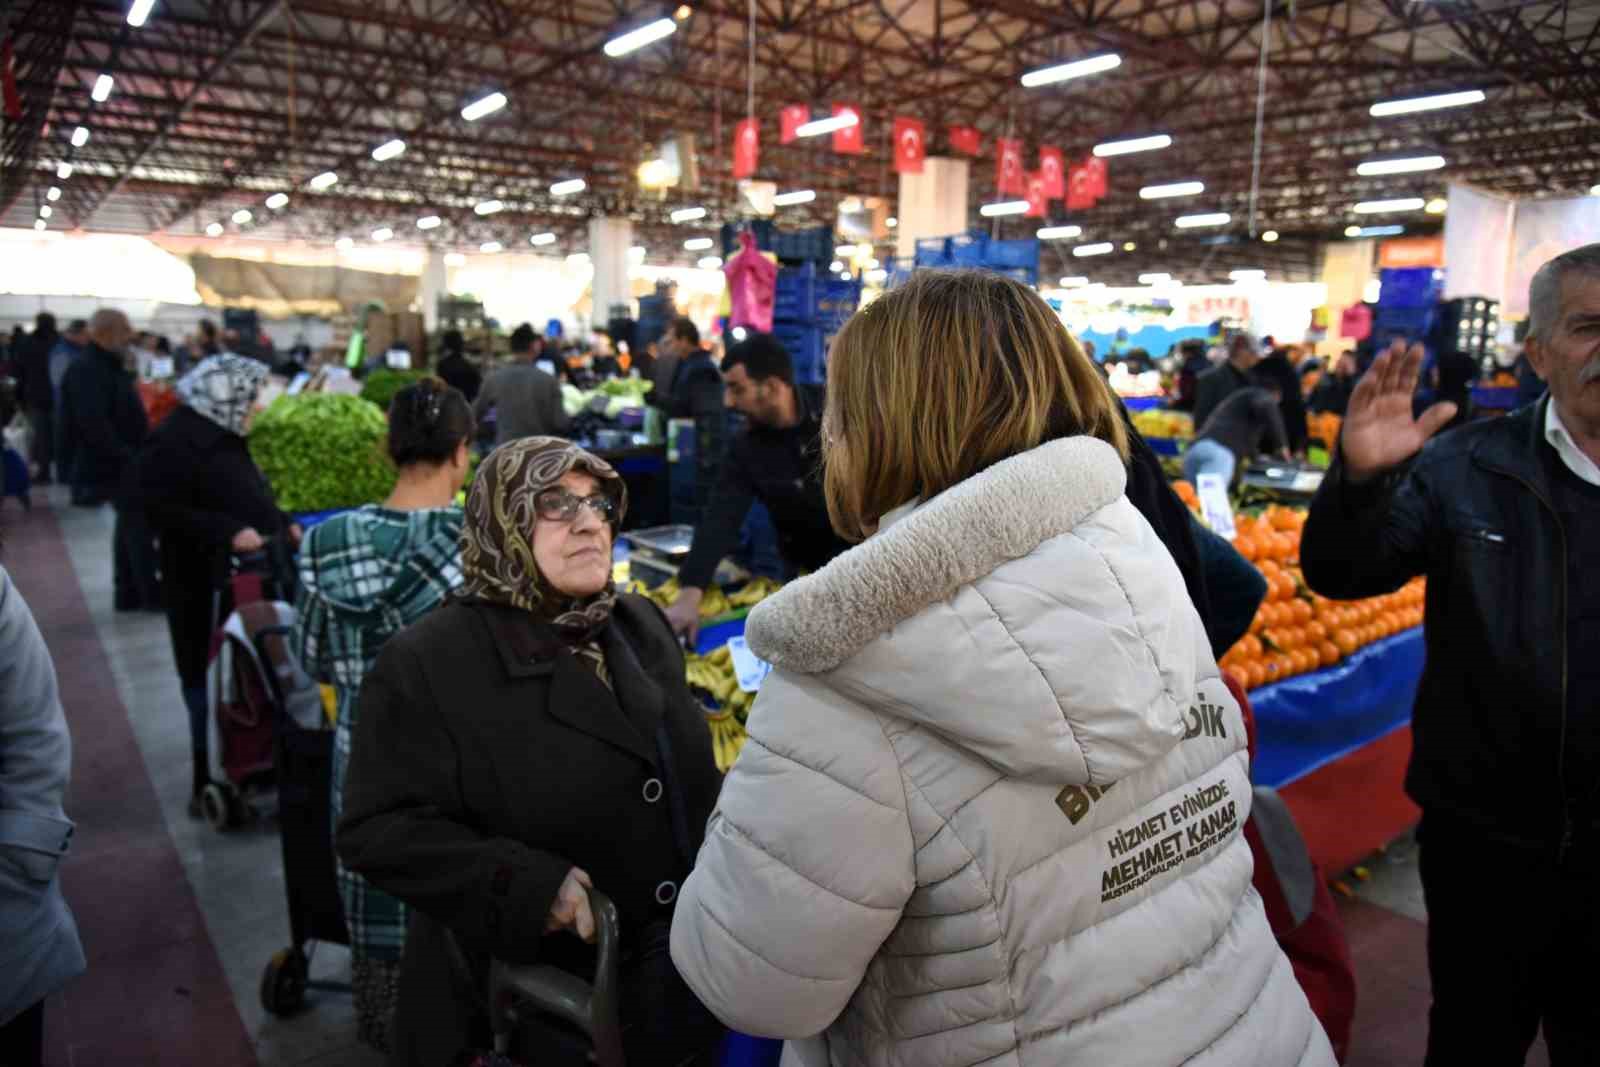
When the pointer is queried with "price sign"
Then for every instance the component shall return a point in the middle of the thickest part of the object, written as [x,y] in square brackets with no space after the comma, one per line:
[1214,504]
[751,669]
[398,359]
[161,367]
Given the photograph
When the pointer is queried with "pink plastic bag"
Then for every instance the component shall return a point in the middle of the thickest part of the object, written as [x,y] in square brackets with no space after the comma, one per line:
[752,286]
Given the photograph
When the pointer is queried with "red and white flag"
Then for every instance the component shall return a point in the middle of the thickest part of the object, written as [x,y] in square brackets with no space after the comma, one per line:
[746,148]
[1080,189]
[1009,177]
[965,139]
[791,119]
[1038,201]
[1099,174]
[849,140]
[1053,168]
[910,146]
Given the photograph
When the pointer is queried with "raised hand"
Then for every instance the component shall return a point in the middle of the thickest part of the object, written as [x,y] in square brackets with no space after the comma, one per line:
[1379,432]
[571,908]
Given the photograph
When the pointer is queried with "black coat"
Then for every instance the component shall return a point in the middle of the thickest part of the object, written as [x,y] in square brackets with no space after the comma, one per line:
[1215,386]
[200,488]
[102,412]
[1473,512]
[33,371]
[486,763]
[458,373]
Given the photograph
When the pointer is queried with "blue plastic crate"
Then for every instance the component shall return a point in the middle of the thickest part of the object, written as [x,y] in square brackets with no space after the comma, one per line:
[798,246]
[764,229]
[795,297]
[807,349]
[1409,287]
[1412,322]
[1005,255]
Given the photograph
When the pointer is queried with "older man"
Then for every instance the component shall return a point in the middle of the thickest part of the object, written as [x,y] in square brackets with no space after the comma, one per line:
[1221,382]
[1502,516]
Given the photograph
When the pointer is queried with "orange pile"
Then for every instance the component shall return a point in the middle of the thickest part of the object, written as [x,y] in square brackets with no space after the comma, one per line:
[1295,631]
[1324,426]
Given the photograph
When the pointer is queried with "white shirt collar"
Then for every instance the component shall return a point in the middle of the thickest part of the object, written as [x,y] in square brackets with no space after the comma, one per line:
[1577,461]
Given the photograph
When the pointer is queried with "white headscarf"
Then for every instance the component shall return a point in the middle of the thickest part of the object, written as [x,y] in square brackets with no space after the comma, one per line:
[223,388]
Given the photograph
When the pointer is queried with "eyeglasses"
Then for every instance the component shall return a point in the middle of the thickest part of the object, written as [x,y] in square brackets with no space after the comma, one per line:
[558,505]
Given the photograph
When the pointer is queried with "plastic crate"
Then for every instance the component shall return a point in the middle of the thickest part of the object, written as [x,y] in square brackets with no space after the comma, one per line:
[795,297]
[1005,255]
[763,229]
[801,246]
[1415,322]
[807,349]
[1409,287]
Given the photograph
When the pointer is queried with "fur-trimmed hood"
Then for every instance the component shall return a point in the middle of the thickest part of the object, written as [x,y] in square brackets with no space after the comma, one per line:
[1029,614]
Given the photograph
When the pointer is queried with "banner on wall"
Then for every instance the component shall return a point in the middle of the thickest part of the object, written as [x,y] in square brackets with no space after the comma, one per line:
[1412,252]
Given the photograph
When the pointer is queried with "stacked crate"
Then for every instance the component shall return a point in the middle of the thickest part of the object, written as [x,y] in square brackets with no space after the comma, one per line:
[808,309]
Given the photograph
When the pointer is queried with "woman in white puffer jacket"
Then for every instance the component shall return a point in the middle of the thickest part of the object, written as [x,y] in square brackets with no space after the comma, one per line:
[990,809]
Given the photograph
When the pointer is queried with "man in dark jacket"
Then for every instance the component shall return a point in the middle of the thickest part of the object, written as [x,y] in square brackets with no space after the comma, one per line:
[525,400]
[37,395]
[1500,515]
[1246,424]
[1219,383]
[101,411]
[1333,391]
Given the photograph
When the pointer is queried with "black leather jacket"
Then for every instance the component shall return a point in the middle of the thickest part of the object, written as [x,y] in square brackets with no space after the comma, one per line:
[1492,744]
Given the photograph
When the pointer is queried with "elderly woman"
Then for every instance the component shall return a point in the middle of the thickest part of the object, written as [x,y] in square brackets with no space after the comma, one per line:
[364,576]
[530,739]
[991,806]
[204,497]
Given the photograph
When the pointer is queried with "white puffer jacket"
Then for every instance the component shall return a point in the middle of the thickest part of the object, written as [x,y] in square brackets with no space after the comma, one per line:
[990,808]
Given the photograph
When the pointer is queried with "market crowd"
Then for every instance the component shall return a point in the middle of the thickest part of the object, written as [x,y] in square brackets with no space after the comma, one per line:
[995,803]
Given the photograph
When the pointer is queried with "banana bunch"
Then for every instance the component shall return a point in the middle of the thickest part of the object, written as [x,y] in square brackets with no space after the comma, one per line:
[714,603]
[714,674]
[754,592]
[727,738]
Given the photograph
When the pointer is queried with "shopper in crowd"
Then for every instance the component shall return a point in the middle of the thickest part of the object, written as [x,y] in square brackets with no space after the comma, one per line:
[101,411]
[1277,372]
[1192,363]
[694,389]
[776,460]
[525,400]
[206,498]
[455,369]
[67,350]
[38,396]
[1222,381]
[1500,515]
[364,576]
[39,946]
[1247,424]
[530,740]
[1332,393]
[956,821]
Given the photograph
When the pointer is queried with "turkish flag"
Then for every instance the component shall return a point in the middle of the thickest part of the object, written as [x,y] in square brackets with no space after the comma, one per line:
[791,119]
[1053,168]
[1038,199]
[850,139]
[910,147]
[965,139]
[1099,173]
[1009,176]
[746,147]
[1080,189]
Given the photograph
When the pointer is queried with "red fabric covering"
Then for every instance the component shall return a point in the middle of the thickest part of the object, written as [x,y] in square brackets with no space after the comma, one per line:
[1356,805]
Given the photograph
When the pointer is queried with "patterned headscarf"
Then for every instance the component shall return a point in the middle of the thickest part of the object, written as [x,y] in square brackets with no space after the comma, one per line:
[497,558]
[223,388]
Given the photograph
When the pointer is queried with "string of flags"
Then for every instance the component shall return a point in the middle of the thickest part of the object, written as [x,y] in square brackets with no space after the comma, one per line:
[1080,185]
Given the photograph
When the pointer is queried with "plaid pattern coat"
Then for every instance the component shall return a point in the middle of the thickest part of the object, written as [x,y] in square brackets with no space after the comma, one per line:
[365,576]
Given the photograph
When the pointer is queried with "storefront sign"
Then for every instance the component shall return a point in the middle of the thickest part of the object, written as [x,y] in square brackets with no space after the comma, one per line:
[1206,309]
[1412,252]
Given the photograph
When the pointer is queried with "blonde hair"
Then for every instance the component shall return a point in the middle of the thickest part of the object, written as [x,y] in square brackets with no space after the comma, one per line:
[942,378]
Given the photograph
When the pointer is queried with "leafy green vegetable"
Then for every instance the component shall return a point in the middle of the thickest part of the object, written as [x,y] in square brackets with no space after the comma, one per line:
[381,385]
[321,451]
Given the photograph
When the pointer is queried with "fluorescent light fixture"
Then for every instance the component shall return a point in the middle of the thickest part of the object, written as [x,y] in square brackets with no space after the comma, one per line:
[688,214]
[1270,236]
[1158,192]
[102,88]
[1101,249]
[876,276]
[710,263]
[578,258]
[1137,144]
[698,244]
[1128,246]
[1375,167]
[489,248]
[1077,281]
[683,12]
[1426,103]
[39,224]
[388,150]
[845,250]
[45,211]
[80,137]
[1154,279]
[326,180]
[633,40]
[64,170]
[454,259]
[891,222]
[833,124]
[1352,231]
[488,207]
[1379,207]
[835,267]
[1004,207]
[1439,205]
[1189,222]
[486,105]
[1057,233]
[139,12]
[278,201]
[798,196]
[242,216]
[52,194]
[539,240]
[382,233]
[1380,231]
[568,187]
[345,244]
[637,253]
[1594,190]
[1248,275]
[429,222]
[1078,68]
[215,229]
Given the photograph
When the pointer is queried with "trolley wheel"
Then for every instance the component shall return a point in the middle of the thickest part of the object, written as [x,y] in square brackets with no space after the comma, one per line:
[219,807]
[283,983]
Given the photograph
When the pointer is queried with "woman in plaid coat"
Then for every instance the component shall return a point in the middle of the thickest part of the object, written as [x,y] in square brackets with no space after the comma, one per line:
[366,575]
